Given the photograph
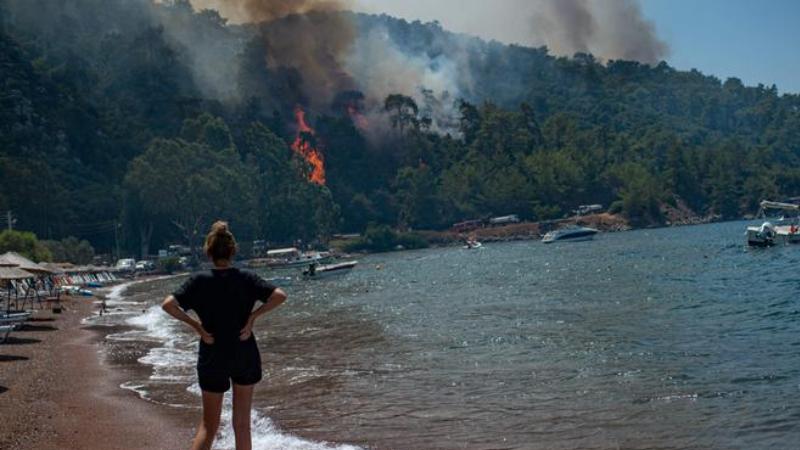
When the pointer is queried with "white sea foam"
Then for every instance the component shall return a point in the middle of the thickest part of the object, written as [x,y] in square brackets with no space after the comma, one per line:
[173,359]
[156,324]
[115,294]
[265,435]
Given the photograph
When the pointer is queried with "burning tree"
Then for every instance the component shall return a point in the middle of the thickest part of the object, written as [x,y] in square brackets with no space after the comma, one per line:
[305,144]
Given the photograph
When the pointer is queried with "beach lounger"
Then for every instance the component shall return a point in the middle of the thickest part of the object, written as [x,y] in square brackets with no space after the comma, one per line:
[15,315]
[5,330]
[14,319]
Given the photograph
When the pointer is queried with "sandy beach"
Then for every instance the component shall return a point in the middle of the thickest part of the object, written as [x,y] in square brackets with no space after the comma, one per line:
[56,392]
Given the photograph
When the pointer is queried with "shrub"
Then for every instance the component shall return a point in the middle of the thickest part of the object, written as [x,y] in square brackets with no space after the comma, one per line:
[170,265]
[25,243]
[71,249]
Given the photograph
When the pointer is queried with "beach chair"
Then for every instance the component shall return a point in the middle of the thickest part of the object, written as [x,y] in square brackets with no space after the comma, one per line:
[14,320]
[24,294]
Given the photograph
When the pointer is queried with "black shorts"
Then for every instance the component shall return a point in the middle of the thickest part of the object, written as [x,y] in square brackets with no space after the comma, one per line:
[218,365]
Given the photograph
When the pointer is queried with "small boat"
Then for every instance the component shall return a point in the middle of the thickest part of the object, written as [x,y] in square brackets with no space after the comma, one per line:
[472,244]
[571,234]
[289,257]
[316,271]
[782,226]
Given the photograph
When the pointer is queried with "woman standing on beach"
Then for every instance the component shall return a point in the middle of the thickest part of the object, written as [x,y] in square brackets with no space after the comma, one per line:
[223,298]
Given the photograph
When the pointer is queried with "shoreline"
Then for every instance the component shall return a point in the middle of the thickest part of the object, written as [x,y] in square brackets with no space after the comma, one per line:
[535,231]
[61,394]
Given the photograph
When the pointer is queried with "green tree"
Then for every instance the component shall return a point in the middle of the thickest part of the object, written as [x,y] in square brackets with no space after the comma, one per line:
[191,185]
[639,191]
[289,206]
[71,249]
[403,112]
[417,197]
[25,243]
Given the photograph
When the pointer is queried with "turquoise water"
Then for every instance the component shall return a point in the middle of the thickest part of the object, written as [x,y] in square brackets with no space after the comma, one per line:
[671,338]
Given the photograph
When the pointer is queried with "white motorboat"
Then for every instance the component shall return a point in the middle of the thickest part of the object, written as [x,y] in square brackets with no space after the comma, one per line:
[290,257]
[315,271]
[781,227]
[571,234]
[472,244]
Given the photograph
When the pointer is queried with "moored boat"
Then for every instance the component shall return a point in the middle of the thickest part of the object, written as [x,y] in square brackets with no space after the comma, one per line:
[781,227]
[571,234]
[289,257]
[316,271]
[473,244]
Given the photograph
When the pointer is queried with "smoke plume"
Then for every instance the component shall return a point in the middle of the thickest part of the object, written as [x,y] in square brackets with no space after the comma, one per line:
[254,11]
[301,40]
[319,51]
[609,30]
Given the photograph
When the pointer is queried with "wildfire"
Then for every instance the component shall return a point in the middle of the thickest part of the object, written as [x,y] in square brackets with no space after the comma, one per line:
[305,147]
[358,119]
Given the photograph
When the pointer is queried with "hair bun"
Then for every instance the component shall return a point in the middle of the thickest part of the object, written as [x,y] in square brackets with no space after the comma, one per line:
[220,227]
[220,243]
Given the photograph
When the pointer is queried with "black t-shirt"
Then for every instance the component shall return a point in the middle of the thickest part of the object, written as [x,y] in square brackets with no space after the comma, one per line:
[223,300]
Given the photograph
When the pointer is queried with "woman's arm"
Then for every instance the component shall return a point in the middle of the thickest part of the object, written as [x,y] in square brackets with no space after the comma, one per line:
[171,307]
[276,299]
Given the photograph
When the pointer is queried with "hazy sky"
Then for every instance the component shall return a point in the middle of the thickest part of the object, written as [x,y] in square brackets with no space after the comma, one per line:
[757,41]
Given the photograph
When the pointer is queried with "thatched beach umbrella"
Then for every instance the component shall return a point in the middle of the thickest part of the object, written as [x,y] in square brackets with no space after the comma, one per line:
[15,259]
[8,273]
[54,268]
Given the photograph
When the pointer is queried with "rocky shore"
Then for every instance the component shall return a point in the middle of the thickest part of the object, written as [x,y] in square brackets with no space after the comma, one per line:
[526,230]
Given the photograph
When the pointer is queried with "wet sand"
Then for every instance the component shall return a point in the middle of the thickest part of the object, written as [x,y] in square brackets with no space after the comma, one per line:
[57,392]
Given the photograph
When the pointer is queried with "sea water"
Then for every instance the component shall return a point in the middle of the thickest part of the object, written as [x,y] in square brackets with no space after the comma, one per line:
[671,338]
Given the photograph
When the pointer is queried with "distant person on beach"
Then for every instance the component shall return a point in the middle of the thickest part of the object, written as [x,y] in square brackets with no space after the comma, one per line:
[223,298]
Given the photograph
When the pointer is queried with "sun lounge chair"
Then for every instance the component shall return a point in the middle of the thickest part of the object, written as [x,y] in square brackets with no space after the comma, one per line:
[15,315]
[14,318]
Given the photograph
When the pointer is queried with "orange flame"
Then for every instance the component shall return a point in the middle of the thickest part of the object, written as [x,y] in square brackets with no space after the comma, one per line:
[304,148]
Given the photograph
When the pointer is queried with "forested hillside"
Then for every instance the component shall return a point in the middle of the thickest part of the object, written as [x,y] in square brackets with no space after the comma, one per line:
[145,122]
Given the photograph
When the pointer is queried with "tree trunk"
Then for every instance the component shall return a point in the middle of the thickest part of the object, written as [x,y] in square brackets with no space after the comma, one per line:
[145,233]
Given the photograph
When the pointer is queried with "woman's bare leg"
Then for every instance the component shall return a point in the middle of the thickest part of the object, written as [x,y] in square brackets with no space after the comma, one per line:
[242,403]
[209,423]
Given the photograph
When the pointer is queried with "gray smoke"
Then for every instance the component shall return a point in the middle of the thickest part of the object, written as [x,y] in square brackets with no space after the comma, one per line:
[254,11]
[611,29]
[296,36]
[333,54]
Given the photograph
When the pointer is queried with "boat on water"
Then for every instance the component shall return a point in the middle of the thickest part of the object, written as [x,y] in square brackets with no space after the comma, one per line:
[571,234]
[289,257]
[473,244]
[782,225]
[315,271]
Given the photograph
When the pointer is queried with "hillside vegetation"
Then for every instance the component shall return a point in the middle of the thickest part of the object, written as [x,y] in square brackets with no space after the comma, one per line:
[114,126]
